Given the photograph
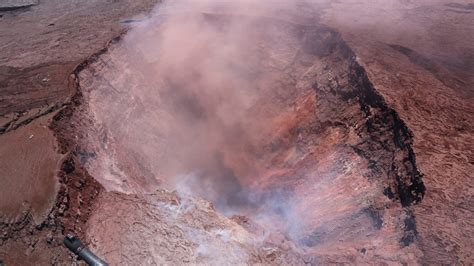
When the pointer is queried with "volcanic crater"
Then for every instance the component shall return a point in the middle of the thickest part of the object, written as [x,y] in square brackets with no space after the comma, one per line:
[291,141]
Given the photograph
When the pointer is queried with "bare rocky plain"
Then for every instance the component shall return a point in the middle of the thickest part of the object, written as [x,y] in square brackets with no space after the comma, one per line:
[357,148]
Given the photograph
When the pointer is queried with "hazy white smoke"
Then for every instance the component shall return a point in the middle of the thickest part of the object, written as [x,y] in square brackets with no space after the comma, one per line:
[198,86]
[204,73]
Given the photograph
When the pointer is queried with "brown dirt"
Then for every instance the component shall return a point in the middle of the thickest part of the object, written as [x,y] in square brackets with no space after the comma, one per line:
[28,164]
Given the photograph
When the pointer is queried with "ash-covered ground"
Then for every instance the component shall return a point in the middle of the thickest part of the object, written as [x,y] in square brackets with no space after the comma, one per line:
[216,132]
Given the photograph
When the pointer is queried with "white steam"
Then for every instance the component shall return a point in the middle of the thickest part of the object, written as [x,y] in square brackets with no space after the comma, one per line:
[190,99]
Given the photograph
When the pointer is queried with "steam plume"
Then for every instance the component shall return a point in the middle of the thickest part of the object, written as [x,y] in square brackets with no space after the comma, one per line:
[194,84]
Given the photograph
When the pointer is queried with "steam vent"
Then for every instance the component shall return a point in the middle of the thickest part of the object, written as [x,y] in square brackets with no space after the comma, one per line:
[215,132]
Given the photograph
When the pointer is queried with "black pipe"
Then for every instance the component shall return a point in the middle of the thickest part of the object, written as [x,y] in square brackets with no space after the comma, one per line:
[75,246]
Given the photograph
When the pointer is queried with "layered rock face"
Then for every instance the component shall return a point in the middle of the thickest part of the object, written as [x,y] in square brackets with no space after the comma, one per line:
[422,65]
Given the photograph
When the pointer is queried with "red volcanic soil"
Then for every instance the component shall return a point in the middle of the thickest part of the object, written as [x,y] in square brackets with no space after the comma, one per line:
[331,133]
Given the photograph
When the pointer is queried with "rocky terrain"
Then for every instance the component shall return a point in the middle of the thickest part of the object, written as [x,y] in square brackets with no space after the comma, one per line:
[341,137]
[428,80]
